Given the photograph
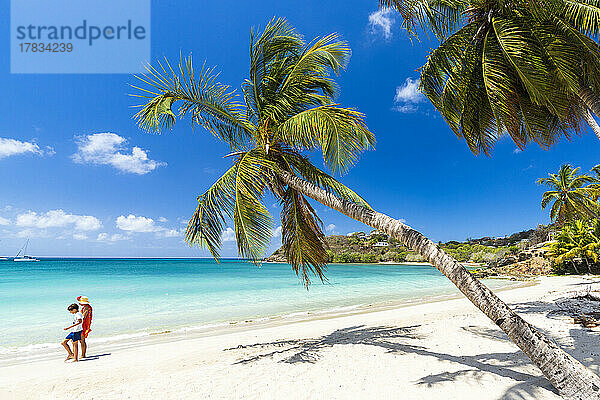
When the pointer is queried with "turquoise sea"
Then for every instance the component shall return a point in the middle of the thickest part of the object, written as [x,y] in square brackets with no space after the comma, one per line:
[136,297]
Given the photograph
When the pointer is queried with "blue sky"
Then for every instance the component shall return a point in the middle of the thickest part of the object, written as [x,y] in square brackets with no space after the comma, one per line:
[80,179]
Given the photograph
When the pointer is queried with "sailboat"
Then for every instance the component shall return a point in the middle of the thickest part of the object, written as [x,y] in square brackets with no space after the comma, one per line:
[21,255]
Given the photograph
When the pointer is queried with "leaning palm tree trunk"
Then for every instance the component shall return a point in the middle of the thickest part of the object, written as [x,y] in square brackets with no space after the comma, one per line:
[589,118]
[592,103]
[571,378]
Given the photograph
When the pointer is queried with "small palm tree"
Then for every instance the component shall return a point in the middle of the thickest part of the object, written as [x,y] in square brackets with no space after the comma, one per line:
[527,68]
[576,241]
[572,195]
[287,111]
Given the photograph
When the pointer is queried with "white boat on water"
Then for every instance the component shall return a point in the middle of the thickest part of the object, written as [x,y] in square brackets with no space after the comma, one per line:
[3,259]
[21,255]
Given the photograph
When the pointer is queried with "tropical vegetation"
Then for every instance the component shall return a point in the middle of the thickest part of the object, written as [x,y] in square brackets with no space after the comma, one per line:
[577,244]
[529,69]
[572,195]
[355,248]
[287,111]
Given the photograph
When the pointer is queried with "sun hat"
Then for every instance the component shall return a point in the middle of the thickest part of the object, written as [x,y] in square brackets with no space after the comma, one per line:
[83,300]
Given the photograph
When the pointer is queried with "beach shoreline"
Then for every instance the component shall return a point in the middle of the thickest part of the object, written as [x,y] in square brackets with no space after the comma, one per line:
[240,362]
[46,351]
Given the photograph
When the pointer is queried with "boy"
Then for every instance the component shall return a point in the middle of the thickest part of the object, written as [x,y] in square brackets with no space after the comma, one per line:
[75,335]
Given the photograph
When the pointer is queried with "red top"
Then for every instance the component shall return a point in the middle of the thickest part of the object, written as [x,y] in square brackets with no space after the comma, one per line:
[87,311]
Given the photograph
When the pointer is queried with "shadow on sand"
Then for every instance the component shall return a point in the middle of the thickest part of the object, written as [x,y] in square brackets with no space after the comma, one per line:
[403,340]
[95,357]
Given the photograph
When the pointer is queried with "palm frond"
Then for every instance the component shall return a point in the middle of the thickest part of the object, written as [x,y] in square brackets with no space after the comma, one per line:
[548,196]
[304,81]
[542,126]
[253,223]
[584,15]
[268,50]
[302,237]
[477,122]
[440,16]
[209,103]
[527,57]
[207,223]
[340,132]
[503,89]
[443,62]
[588,50]
[560,52]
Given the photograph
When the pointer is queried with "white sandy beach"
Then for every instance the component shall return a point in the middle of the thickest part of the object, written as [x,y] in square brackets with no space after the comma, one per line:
[442,350]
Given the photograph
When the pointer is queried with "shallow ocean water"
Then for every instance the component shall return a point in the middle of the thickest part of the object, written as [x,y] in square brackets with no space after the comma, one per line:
[138,296]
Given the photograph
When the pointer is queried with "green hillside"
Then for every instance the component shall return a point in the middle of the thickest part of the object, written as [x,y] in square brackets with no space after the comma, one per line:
[374,247]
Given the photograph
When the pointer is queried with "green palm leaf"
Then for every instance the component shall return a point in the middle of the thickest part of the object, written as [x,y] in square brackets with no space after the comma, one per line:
[503,89]
[302,238]
[584,14]
[207,223]
[540,69]
[253,223]
[209,103]
[340,132]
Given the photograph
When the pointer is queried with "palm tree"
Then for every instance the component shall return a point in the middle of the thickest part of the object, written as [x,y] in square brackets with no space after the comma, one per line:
[571,193]
[529,68]
[576,240]
[287,111]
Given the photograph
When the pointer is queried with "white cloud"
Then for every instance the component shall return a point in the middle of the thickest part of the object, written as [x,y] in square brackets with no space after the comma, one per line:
[4,221]
[277,232]
[330,228]
[58,219]
[381,21]
[406,109]
[140,224]
[12,147]
[105,237]
[109,149]
[29,233]
[408,96]
[131,223]
[228,235]
[80,236]
[162,219]
[409,92]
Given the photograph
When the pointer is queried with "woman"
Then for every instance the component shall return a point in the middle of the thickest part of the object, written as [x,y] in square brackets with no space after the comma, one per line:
[86,310]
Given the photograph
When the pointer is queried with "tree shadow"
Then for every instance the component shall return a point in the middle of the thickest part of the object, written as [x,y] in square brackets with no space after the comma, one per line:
[592,280]
[393,340]
[578,341]
[528,390]
[488,333]
[307,350]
